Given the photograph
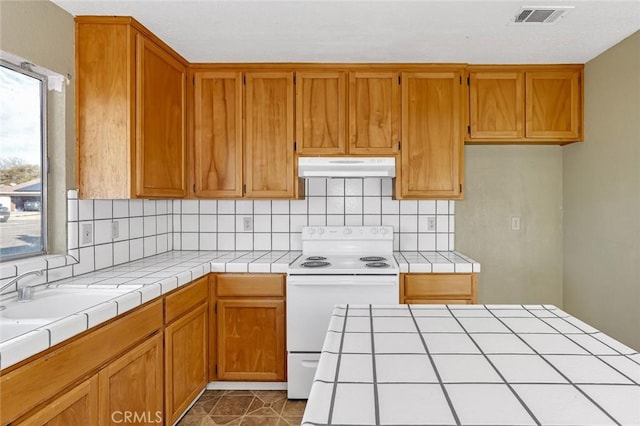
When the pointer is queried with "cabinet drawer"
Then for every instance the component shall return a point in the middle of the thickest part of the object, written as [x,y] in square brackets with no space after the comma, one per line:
[234,285]
[430,285]
[185,298]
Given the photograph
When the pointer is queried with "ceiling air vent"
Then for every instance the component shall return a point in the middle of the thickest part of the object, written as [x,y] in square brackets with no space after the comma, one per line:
[540,14]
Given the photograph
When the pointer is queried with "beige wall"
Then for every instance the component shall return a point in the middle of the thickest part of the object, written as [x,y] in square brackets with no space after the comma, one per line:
[503,181]
[602,198]
[42,33]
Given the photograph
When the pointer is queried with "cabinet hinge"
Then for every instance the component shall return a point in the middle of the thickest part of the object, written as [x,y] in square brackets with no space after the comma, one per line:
[244,80]
[461,188]
[468,81]
[399,145]
[244,191]
[460,79]
[468,130]
[194,188]
[294,79]
[216,369]
[399,79]
[215,311]
[295,146]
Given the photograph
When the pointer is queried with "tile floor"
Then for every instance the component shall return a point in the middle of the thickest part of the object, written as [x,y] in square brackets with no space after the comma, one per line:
[233,407]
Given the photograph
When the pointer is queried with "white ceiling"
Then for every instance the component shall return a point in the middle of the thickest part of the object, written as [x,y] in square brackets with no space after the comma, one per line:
[374,31]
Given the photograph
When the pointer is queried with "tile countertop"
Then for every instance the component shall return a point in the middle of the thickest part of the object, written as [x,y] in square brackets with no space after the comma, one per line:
[471,365]
[154,276]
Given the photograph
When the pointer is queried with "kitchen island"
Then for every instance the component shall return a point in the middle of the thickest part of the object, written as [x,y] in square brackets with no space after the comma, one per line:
[471,365]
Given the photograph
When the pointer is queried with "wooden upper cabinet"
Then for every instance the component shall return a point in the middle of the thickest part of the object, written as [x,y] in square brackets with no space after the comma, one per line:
[432,140]
[554,104]
[130,112]
[374,112]
[269,124]
[160,126]
[525,104]
[496,104]
[218,134]
[321,112]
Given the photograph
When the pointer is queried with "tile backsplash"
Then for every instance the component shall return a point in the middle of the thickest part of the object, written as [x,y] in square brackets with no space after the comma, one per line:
[149,227]
[277,224]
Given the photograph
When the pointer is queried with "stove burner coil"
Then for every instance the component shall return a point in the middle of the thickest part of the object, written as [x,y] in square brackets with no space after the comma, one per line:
[377,265]
[314,264]
[316,258]
[372,259]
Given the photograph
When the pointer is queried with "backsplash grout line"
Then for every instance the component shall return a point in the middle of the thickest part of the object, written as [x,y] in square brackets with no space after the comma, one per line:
[217,224]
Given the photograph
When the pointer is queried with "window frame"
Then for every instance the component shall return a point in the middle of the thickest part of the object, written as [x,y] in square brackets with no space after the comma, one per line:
[26,68]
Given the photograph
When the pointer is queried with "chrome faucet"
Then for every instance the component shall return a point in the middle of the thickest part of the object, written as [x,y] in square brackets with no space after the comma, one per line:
[24,293]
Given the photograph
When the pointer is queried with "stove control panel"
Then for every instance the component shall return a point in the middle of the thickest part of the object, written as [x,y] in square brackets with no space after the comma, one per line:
[347,233]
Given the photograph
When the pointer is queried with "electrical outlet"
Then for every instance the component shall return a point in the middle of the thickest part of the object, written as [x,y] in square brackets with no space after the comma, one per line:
[115,230]
[431,223]
[247,223]
[515,223]
[86,235]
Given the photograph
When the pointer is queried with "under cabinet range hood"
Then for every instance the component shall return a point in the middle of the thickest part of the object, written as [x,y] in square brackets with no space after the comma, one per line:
[346,167]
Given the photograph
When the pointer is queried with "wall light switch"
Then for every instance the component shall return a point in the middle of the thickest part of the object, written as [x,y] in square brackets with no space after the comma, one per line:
[515,223]
[247,223]
[86,233]
[115,230]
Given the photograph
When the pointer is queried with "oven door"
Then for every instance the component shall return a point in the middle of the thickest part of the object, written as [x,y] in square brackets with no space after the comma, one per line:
[311,298]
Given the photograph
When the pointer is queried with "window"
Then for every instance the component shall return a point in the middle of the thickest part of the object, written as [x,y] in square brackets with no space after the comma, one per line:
[23,106]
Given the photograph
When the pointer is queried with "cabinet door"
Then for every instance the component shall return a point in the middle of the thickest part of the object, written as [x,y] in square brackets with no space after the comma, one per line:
[496,109]
[218,134]
[77,407]
[374,112]
[160,122]
[133,384]
[185,361]
[432,153]
[269,135]
[321,112]
[251,343]
[553,105]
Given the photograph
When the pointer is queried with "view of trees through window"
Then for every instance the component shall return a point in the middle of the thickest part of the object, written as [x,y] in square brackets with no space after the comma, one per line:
[22,106]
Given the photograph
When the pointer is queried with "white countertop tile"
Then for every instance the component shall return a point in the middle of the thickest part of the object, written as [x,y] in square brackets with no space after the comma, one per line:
[478,365]
[153,276]
[561,405]
[620,401]
[487,404]
[23,346]
[66,327]
[413,403]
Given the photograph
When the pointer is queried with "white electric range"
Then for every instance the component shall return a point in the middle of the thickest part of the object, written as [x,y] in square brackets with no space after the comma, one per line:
[338,265]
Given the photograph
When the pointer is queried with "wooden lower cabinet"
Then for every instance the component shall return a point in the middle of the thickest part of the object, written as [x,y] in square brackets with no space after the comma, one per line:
[131,386]
[186,339]
[186,361]
[250,332]
[446,289]
[77,407]
[251,340]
